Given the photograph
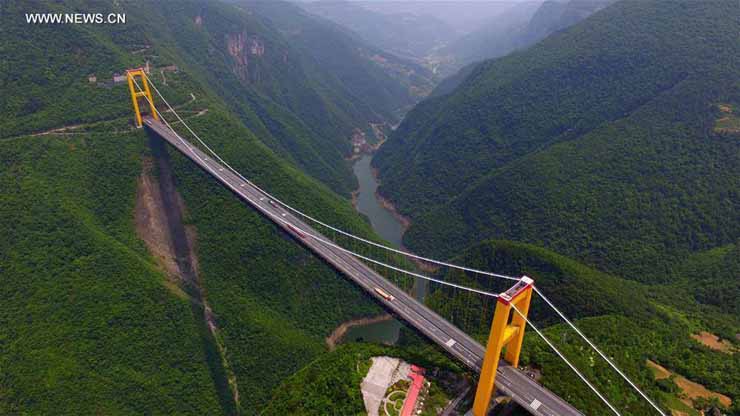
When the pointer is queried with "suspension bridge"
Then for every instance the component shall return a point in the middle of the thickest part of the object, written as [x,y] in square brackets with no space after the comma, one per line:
[512,306]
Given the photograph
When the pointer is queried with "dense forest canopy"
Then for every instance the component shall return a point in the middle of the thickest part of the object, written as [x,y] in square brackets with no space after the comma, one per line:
[599,142]
[90,321]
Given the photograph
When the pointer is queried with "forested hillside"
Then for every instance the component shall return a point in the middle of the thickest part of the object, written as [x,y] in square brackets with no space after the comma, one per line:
[92,321]
[272,64]
[263,58]
[600,142]
[132,283]
[386,82]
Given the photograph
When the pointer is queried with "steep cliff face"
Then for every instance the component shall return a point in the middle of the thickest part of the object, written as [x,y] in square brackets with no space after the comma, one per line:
[299,82]
[159,219]
[242,48]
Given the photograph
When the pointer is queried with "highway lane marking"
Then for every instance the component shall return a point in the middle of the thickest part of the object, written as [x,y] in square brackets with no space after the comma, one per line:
[535,404]
[432,325]
[367,277]
[367,274]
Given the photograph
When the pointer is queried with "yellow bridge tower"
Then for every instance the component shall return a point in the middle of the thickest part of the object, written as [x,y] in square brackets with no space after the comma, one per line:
[139,72]
[506,331]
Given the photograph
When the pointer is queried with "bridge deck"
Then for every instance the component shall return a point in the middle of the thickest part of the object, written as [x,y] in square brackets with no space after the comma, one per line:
[529,394]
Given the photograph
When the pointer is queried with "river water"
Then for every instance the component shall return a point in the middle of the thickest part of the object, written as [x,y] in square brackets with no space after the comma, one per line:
[391,229]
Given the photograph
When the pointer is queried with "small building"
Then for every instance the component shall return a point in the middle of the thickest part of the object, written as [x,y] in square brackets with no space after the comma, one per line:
[410,405]
[118,78]
[169,68]
[92,79]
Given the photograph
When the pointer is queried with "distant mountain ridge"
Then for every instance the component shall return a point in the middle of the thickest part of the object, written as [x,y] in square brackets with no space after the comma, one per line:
[306,100]
[522,25]
[598,142]
[405,34]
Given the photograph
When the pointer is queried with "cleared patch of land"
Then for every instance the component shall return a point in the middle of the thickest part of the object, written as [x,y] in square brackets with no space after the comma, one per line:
[729,122]
[384,372]
[690,389]
[712,341]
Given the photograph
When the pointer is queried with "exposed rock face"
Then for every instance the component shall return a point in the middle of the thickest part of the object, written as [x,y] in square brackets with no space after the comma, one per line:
[153,226]
[159,219]
[256,47]
[239,46]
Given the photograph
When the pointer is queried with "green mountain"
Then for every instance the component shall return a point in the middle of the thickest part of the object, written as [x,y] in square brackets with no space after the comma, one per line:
[387,83]
[603,142]
[272,64]
[133,283]
[105,310]
[264,59]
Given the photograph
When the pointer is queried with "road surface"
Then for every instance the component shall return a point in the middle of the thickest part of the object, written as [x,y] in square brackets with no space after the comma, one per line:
[512,382]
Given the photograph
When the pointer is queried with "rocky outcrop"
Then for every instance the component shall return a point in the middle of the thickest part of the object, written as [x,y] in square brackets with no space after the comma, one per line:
[240,46]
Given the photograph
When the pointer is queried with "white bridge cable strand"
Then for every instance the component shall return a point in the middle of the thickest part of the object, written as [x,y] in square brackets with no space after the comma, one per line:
[323,241]
[562,357]
[595,348]
[315,220]
[309,234]
[405,253]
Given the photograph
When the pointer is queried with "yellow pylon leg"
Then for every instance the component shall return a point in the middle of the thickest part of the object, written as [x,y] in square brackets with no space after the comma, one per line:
[134,100]
[503,335]
[130,74]
[514,347]
[490,362]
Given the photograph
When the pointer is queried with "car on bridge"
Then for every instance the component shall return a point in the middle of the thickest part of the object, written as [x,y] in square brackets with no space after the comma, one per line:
[385,295]
[296,230]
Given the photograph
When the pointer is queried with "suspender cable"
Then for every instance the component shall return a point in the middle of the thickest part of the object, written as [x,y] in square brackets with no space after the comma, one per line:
[312,219]
[404,253]
[279,219]
[595,348]
[562,357]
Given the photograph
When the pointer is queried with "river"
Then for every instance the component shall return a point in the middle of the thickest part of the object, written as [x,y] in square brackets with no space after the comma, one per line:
[389,228]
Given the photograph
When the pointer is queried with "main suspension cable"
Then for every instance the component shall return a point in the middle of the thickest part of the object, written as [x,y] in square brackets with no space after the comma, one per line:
[404,253]
[315,237]
[315,220]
